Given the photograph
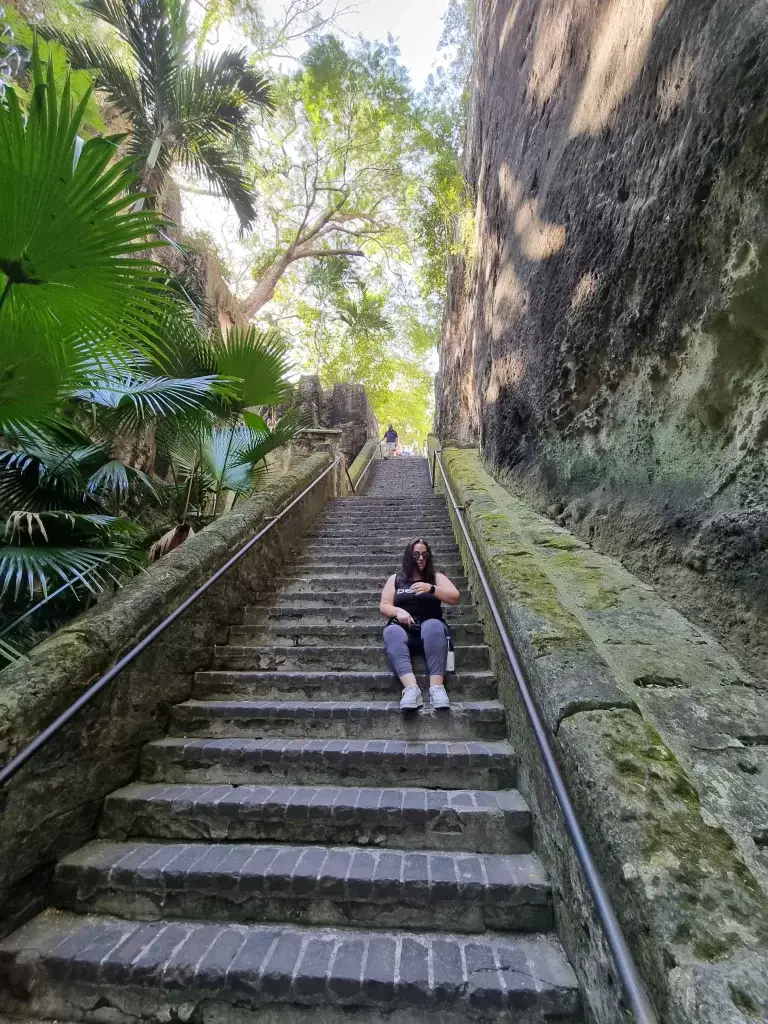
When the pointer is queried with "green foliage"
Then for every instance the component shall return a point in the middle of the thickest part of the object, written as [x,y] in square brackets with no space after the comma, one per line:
[333,164]
[74,290]
[80,82]
[96,353]
[182,108]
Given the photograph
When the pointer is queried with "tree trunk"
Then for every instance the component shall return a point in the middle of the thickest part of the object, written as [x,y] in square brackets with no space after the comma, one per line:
[264,288]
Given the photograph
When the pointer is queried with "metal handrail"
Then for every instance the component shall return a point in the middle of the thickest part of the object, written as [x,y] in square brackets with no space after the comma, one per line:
[10,769]
[625,965]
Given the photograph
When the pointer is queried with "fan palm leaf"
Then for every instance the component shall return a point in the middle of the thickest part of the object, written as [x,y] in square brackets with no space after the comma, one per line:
[65,546]
[74,288]
[258,364]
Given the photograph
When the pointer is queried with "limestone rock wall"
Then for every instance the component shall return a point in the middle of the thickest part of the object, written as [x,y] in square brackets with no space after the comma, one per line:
[607,346]
[345,406]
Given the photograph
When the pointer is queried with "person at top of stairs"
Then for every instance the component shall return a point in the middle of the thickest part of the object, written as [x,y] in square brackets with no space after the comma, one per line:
[411,600]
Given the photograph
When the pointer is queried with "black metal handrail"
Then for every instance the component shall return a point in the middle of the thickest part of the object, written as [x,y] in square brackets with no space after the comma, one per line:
[10,769]
[631,981]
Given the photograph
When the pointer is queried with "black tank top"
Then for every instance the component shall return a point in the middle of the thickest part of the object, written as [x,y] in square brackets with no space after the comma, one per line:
[420,606]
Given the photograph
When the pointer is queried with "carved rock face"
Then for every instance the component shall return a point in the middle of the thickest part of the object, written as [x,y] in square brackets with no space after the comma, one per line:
[608,345]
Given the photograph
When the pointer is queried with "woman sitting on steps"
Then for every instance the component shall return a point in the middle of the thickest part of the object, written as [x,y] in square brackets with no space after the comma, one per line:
[411,601]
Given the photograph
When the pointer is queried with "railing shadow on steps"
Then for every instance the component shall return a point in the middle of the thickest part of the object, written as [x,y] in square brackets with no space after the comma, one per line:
[632,983]
[23,756]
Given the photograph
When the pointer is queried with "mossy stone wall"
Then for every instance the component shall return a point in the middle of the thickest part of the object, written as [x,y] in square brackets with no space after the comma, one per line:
[632,696]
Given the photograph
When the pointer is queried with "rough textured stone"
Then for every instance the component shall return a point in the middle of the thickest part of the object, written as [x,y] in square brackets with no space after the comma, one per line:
[606,346]
[346,406]
[51,806]
[255,967]
[673,833]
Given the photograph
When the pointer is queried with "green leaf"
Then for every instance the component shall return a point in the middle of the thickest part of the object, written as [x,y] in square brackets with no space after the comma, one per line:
[74,288]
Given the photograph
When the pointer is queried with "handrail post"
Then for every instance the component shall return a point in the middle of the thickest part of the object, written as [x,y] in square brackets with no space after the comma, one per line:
[351,482]
[626,968]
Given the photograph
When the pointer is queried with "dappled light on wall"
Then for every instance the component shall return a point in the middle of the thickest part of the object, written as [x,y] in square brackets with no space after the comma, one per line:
[550,50]
[617,52]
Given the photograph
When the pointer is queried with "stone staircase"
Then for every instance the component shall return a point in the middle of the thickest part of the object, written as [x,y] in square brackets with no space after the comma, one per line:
[297,845]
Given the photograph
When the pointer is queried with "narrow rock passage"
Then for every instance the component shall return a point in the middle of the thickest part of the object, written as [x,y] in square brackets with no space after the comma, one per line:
[297,845]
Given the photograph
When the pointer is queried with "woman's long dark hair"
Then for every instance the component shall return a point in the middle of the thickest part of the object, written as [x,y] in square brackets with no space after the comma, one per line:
[411,566]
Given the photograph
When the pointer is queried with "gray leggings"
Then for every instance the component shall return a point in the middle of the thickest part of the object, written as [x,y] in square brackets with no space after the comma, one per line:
[433,639]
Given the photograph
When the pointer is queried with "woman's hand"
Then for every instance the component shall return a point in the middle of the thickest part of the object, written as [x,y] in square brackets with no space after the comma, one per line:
[421,588]
[403,617]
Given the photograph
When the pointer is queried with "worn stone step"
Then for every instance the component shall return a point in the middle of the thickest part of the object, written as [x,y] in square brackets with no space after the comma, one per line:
[349,576]
[60,965]
[249,685]
[315,584]
[433,764]
[377,525]
[373,566]
[326,635]
[295,612]
[354,510]
[364,502]
[307,885]
[399,539]
[347,658]
[482,720]
[353,599]
[483,821]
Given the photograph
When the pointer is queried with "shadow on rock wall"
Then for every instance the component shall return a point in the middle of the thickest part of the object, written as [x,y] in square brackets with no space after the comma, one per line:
[610,348]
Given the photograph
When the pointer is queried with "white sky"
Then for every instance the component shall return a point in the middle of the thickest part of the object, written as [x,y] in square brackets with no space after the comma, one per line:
[416,26]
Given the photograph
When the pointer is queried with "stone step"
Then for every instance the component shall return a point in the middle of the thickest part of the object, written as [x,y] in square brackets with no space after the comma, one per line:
[308,885]
[400,537]
[365,502]
[355,509]
[355,600]
[60,965]
[307,762]
[326,635]
[482,720]
[383,524]
[325,686]
[349,576]
[347,658]
[314,584]
[483,821]
[373,566]
[297,612]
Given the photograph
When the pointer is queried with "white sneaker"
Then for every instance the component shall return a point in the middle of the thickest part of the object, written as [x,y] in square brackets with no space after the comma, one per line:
[438,698]
[411,699]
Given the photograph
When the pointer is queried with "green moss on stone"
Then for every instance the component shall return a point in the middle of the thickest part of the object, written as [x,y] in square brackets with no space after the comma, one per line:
[704,861]
[744,1002]
[589,581]
[561,541]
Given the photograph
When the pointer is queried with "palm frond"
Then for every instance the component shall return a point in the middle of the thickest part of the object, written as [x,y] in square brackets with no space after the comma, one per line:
[264,442]
[72,282]
[259,360]
[37,566]
[47,470]
[57,527]
[117,80]
[115,479]
[219,168]
[138,398]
